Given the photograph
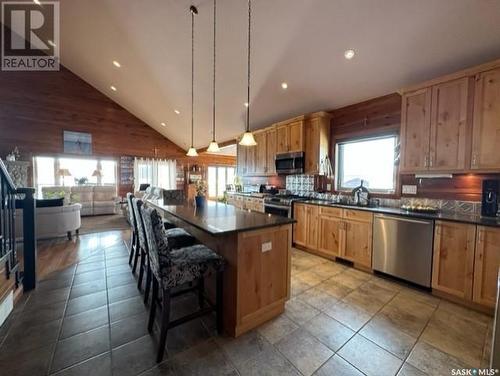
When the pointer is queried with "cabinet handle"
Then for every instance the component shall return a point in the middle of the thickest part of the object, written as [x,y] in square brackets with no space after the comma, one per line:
[474,159]
[430,162]
[426,161]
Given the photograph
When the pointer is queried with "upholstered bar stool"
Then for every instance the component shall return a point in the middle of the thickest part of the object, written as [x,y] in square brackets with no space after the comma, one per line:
[177,238]
[134,239]
[175,268]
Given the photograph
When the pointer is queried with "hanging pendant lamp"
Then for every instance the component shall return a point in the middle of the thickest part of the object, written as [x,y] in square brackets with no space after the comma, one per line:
[192,151]
[214,147]
[247,139]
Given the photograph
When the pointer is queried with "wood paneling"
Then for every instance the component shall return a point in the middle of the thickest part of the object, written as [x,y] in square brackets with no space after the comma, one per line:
[486,266]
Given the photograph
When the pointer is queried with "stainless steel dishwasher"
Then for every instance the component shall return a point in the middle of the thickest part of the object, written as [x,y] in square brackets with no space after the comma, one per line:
[402,247]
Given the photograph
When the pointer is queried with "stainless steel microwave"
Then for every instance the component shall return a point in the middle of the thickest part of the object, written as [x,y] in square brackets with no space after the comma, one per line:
[290,163]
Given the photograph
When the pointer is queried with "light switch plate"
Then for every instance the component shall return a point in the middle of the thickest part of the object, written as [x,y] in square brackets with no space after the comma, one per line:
[267,246]
[409,189]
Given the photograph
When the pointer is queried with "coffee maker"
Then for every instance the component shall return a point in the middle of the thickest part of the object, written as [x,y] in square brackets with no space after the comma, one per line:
[489,202]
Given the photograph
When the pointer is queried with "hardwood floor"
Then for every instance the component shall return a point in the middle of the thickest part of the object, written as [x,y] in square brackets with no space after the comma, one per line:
[57,254]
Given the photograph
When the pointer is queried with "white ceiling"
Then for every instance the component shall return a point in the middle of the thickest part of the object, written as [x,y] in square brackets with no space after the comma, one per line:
[302,42]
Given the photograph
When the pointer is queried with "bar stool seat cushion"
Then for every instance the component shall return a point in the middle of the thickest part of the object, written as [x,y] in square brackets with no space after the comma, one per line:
[168,225]
[189,264]
[179,238]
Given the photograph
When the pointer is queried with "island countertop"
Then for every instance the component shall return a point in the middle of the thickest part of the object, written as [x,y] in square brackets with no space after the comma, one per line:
[221,219]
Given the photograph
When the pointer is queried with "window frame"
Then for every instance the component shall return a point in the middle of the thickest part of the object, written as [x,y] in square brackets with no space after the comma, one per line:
[217,166]
[339,169]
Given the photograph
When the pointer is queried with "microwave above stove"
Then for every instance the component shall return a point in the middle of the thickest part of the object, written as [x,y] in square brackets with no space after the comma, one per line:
[290,163]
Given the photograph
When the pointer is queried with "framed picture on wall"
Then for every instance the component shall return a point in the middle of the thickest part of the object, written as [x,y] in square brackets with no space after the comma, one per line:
[77,143]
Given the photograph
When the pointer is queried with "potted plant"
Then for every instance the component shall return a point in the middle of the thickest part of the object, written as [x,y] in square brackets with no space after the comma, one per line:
[201,191]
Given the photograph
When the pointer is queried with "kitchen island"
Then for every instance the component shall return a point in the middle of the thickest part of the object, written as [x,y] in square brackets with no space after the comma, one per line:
[256,248]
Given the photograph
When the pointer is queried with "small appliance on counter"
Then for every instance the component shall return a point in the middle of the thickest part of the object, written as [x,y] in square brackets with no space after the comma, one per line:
[361,195]
[489,200]
[269,189]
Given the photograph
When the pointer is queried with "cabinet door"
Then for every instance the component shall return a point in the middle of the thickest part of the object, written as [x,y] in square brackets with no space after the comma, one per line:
[415,129]
[312,226]
[453,261]
[450,126]
[251,160]
[486,265]
[330,230]
[358,243]
[300,228]
[311,135]
[241,159]
[260,153]
[282,139]
[486,124]
[296,136]
[271,151]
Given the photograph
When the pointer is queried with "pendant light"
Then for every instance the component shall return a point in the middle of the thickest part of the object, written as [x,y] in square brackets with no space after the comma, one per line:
[214,147]
[192,151]
[247,139]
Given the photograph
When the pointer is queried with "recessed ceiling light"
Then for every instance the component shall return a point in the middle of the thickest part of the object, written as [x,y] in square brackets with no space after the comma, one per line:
[349,54]
[163,124]
[51,43]
[113,88]
[246,104]
[37,2]
[116,64]
[284,85]
[177,112]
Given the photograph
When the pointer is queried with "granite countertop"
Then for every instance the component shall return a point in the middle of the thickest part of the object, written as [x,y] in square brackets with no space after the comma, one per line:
[221,219]
[463,218]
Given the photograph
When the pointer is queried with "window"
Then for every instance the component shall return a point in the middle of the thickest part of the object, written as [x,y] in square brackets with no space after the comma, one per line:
[155,172]
[370,160]
[218,178]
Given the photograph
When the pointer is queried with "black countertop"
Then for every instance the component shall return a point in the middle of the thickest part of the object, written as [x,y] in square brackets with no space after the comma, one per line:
[463,218]
[221,219]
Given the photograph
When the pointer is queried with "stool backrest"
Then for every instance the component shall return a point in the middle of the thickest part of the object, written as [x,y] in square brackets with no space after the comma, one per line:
[131,213]
[159,250]
[137,204]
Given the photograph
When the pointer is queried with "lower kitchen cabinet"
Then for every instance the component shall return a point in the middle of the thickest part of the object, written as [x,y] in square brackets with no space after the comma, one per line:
[486,266]
[305,231]
[330,230]
[358,242]
[453,262]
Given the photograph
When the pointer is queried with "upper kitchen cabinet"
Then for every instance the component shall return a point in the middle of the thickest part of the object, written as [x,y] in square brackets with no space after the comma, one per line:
[260,150]
[241,159]
[450,126]
[271,140]
[415,130]
[290,136]
[317,136]
[486,124]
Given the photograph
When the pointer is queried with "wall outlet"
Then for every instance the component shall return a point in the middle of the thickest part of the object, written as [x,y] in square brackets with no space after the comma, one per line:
[328,187]
[409,189]
[267,246]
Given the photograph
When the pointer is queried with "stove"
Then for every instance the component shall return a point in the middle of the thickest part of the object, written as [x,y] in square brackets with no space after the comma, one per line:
[279,204]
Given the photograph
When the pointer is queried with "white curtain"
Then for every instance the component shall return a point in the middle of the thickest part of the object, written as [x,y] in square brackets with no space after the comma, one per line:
[157,172]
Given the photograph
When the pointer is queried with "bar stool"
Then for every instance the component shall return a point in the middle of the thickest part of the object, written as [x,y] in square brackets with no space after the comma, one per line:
[174,268]
[177,237]
[134,239]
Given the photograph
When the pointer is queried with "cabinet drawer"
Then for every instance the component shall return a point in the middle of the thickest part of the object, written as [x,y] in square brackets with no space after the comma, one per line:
[358,215]
[331,212]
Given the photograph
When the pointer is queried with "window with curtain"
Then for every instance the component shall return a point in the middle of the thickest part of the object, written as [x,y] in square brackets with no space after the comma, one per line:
[156,172]
[218,178]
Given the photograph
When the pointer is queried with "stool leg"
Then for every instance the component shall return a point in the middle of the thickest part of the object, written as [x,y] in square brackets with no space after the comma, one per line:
[132,246]
[201,290]
[218,302]
[165,320]
[136,259]
[148,283]
[141,269]
[152,307]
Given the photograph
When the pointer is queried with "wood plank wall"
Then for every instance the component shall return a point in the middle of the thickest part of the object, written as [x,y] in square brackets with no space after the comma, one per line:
[383,115]
[35,108]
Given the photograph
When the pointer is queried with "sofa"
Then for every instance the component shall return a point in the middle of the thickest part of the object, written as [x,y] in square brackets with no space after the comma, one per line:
[95,200]
[52,222]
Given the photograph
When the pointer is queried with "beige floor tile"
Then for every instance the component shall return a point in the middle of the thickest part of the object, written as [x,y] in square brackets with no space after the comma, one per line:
[409,370]
[334,288]
[304,351]
[299,312]
[350,278]
[329,269]
[318,298]
[419,296]
[310,277]
[369,358]
[485,362]
[245,347]
[277,328]
[456,335]
[408,321]
[388,337]
[336,366]
[348,315]
[329,331]
[387,284]
[432,361]
[465,313]
[268,363]
[369,297]
[297,286]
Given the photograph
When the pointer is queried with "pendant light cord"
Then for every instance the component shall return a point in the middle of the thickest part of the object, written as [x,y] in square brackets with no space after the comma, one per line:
[248,76]
[193,12]
[213,99]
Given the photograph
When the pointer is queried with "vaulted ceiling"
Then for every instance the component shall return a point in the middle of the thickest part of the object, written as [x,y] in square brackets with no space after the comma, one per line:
[301,42]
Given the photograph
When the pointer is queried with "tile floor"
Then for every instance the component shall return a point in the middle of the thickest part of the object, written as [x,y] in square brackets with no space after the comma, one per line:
[90,320]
